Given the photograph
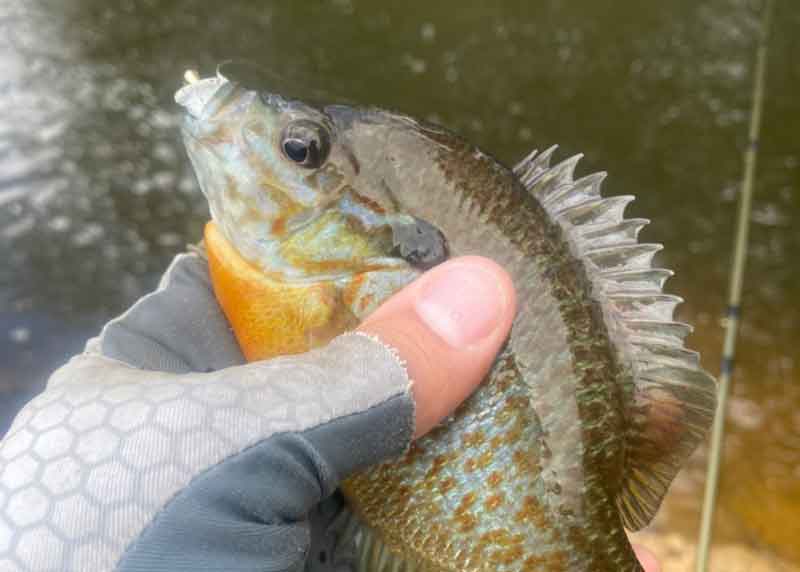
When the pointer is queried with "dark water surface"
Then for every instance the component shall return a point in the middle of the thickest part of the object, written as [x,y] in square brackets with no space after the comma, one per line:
[96,194]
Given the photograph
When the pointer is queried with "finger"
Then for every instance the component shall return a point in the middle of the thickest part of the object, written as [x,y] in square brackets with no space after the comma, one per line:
[448,327]
[647,559]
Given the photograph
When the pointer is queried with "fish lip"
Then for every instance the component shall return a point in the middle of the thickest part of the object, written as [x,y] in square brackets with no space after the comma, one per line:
[195,97]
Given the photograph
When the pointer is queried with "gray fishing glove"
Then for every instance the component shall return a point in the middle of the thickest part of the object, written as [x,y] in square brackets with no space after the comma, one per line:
[159,449]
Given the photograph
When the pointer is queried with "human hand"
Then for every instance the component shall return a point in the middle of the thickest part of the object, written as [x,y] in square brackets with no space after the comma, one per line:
[647,559]
[158,449]
[126,459]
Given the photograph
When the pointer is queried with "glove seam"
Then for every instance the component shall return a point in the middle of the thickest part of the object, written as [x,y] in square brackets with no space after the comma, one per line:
[391,350]
[401,364]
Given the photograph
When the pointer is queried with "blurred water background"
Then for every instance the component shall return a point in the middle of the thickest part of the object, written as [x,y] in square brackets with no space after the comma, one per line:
[96,194]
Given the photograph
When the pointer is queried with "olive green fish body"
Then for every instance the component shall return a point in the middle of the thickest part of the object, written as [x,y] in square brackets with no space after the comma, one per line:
[594,403]
[522,477]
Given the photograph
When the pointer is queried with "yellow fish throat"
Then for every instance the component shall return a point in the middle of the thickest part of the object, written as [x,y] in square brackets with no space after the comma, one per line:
[271,317]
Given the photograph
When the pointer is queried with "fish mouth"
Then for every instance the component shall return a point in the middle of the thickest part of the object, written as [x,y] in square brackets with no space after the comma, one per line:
[196,95]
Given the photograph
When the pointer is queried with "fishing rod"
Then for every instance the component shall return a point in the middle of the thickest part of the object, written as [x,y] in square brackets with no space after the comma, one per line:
[735,294]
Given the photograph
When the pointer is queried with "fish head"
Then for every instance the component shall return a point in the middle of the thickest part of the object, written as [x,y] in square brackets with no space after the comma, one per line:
[306,239]
[284,186]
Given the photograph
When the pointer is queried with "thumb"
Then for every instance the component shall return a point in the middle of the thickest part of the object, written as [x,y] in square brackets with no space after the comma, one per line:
[448,326]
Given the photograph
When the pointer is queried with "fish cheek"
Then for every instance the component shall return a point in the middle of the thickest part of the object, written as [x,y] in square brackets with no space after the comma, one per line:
[335,242]
[327,179]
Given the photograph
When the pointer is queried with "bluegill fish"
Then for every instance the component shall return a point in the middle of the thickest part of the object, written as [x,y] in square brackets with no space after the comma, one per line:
[320,213]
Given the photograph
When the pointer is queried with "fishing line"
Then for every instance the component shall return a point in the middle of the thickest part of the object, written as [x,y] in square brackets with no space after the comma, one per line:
[735,294]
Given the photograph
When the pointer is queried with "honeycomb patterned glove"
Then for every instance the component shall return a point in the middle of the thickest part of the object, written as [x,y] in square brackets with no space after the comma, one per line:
[158,449]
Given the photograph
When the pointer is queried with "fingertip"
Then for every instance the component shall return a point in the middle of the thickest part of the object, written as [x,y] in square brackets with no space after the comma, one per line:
[465,301]
[647,559]
[495,274]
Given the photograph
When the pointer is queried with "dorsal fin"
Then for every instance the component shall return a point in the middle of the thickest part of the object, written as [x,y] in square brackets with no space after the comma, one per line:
[674,400]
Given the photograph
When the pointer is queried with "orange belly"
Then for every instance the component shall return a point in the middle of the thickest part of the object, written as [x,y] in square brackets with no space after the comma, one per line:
[270,317]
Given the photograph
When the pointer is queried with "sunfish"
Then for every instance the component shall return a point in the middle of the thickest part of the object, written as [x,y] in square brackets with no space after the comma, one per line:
[319,213]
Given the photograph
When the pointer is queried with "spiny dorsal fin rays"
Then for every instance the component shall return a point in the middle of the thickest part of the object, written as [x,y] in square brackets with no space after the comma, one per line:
[592,211]
[644,306]
[663,352]
[569,193]
[674,332]
[648,280]
[673,399]
[623,256]
[624,232]
[552,183]
[534,165]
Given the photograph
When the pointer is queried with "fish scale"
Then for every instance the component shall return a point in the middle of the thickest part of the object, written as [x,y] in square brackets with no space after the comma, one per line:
[469,476]
[531,529]
[591,408]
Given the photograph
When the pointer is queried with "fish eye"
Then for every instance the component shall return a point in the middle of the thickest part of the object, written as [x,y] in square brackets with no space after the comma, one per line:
[305,143]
